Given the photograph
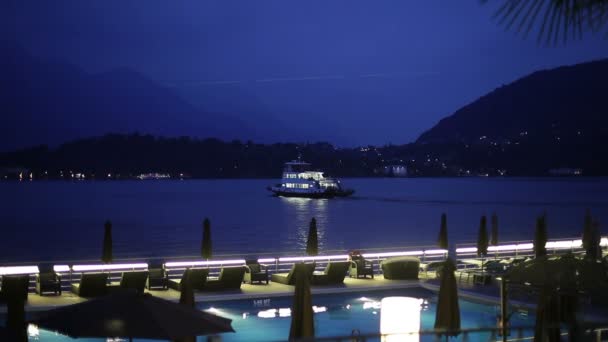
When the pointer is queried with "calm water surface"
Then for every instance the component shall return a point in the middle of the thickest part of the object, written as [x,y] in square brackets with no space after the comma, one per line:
[64,220]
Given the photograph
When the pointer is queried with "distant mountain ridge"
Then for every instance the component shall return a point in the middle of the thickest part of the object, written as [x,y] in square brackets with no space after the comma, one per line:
[546,105]
[53,102]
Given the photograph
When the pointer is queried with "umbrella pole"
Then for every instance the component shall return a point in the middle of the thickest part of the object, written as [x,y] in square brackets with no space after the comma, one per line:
[503,308]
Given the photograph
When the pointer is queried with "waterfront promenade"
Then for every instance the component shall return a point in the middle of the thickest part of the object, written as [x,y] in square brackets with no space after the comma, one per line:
[464,254]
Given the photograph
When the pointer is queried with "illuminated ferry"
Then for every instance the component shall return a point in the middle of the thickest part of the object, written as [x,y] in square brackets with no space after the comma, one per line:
[300,181]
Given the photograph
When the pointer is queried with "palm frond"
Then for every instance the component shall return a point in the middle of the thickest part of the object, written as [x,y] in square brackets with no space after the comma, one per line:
[567,19]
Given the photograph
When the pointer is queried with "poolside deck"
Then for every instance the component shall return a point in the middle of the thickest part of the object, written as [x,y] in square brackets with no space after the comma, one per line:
[40,303]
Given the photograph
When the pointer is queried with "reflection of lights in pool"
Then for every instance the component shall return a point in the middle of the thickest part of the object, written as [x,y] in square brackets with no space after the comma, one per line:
[347,306]
[245,315]
[213,310]
[284,312]
[318,309]
[270,313]
[32,331]
[371,305]
[392,324]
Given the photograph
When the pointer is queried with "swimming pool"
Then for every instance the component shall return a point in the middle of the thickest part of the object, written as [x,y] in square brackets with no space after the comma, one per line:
[268,319]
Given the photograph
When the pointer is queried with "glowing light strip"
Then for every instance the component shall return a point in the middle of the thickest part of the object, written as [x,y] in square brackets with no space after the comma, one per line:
[61,268]
[466,250]
[564,244]
[108,267]
[604,242]
[314,258]
[389,254]
[267,260]
[205,263]
[18,270]
[435,251]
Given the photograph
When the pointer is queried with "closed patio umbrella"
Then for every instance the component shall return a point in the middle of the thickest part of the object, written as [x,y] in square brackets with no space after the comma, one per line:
[540,237]
[442,241]
[206,252]
[16,328]
[186,298]
[131,315]
[547,317]
[447,316]
[302,321]
[106,255]
[312,243]
[494,227]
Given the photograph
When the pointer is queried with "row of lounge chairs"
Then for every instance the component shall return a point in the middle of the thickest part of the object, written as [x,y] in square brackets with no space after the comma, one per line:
[156,278]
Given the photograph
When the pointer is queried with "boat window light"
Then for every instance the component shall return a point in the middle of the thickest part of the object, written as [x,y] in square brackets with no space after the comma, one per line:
[104,267]
[314,258]
[61,268]
[18,270]
[204,263]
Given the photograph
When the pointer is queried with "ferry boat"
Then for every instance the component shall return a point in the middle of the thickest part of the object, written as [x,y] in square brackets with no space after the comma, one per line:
[300,181]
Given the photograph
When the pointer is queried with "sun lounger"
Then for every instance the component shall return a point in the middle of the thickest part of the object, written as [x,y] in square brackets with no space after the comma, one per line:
[230,278]
[91,285]
[255,271]
[334,273]
[198,278]
[47,280]
[132,280]
[157,276]
[360,267]
[288,278]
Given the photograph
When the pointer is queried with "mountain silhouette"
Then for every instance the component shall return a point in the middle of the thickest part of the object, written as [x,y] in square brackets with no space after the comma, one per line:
[50,102]
[563,103]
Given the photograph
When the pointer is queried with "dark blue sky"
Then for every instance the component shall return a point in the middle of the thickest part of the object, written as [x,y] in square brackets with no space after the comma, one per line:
[350,72]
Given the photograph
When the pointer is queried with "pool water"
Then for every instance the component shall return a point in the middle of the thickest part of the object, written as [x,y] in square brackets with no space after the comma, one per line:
[267,319]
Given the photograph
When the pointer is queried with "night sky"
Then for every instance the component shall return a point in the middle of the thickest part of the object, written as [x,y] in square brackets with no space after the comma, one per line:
[349,72]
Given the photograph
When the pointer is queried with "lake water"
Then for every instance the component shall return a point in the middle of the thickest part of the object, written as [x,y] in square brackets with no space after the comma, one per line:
[56,220]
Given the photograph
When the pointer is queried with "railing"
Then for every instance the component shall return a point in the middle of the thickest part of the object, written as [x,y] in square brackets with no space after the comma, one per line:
[521,249]
[71,271]
[525,333]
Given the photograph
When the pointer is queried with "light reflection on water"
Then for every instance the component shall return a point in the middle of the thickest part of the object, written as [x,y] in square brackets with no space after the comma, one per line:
[303,210]
[164,218]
